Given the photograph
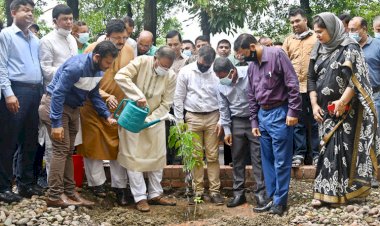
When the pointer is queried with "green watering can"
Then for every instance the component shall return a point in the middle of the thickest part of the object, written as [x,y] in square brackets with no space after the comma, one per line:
[132,118]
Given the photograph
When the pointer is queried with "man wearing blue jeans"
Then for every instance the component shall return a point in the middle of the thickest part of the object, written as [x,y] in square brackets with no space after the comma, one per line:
[21,87]
[274,104]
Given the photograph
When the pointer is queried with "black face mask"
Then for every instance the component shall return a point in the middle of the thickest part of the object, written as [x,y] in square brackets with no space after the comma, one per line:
[252,57]
[203,68]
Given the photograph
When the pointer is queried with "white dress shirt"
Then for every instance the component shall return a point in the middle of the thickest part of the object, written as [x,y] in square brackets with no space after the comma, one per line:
[195,91]
[55,49]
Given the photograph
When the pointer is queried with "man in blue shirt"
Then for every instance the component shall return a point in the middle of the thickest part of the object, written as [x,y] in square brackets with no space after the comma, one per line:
[234,115]
[75,81]
[358,28]
[21,88]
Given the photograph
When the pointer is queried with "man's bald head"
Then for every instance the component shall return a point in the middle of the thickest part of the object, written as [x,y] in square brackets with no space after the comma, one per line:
[144,42]
[376,25]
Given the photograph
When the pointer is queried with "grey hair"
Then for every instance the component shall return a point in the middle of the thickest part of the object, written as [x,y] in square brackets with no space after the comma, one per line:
[207,53]
[223,64]
[165,52]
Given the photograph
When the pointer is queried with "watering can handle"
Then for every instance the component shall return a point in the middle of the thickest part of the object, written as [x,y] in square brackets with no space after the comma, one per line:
[116,116]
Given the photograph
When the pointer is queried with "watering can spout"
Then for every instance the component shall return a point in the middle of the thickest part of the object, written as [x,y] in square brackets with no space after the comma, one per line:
[148,124]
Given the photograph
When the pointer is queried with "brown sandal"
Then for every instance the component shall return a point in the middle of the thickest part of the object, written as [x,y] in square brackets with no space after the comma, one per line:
[142,206]
[161,200]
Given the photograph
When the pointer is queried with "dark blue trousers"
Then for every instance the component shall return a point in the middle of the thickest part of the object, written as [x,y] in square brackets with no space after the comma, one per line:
[19,130]
[306,131]
[276,152]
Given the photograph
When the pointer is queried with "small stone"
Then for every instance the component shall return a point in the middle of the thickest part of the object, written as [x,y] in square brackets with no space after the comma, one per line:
[59,218]
[2,216]
[350,208]
[105,224]
[23,221]
[72,207]
[8,221]
[373,212]
[75,223]
[63,213]
[148,221]
[87,217]
[326,221]
[369,220]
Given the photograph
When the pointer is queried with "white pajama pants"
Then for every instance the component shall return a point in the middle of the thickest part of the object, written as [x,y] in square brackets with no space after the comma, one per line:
[138,186]
[96,176]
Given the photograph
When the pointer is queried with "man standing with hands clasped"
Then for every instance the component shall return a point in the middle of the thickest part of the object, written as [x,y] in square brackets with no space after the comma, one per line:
[234,114]
[274,104]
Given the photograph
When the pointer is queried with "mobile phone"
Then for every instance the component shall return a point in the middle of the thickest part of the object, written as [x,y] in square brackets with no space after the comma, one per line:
[331,108]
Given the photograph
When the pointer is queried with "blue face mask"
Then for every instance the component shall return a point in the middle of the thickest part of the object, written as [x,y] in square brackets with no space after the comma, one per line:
[187,52]
[226,80]
[377,35]
[83,37]
[355,36]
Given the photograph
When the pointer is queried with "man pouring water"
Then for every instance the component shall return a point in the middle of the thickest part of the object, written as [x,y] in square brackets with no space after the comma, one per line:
[149,81]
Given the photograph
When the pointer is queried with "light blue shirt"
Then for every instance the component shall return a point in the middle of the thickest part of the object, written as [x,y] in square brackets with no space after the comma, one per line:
[233,99]
[372,57]
[19,59]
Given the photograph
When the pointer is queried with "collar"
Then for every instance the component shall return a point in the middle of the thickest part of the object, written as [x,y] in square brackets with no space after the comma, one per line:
[303,35]
[89,57]
[18,30]
[264,56]
[369,40]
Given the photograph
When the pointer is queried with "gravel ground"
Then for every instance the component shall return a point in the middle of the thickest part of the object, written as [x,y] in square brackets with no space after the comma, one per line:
[34,212]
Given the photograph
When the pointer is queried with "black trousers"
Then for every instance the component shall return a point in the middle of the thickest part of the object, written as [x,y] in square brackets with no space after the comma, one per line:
[19,130]
[242,138]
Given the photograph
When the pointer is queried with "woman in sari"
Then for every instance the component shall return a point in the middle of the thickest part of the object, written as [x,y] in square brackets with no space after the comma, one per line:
[340,94]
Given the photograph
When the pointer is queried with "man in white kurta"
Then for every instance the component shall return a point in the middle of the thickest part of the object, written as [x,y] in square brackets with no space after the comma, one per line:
[55,48]
[149,81]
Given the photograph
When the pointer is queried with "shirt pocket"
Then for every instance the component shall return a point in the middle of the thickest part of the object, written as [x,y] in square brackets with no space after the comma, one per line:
[270,80]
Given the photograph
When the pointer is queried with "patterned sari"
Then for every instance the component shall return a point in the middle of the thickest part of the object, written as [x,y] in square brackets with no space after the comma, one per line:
[347,160]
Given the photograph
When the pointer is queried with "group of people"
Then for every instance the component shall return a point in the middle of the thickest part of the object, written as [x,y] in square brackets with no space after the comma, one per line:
[317,93]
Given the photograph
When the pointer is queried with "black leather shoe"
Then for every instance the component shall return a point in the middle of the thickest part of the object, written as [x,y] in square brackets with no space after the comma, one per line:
[277,209]
[217,199]
[237,201]
[374,183]
[9,197]
[39,188]
[121,196]
[263,208]
[29,192]
[99,191]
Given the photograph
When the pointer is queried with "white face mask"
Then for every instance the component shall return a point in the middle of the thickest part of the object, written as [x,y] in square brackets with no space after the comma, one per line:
[63,32]
[160,71]
[377,35]
[187,52]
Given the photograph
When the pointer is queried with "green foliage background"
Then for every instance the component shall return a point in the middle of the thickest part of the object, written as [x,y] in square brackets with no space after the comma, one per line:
[264,17]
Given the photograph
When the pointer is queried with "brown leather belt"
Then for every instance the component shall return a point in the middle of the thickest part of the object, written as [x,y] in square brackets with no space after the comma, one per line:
[271,106]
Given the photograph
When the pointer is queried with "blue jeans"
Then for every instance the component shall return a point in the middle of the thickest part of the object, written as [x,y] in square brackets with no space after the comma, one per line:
[19,131]
[376,100]
[276,152]
[306,131]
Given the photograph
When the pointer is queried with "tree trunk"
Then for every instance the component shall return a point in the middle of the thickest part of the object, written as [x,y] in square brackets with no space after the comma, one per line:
[305,5]
[8,12]
[129,10]
[150,17]
[74,5]
[205,23]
